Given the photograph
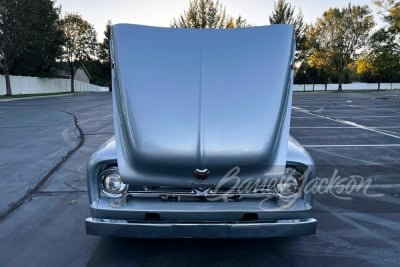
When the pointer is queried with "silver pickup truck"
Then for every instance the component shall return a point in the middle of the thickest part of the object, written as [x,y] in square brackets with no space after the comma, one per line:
[202,146]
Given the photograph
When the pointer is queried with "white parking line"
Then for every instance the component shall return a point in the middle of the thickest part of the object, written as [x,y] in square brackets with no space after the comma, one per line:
[347,117]
[371,145]
[303,117]
[342,127]
[322,127]
[386,127]
[361,186]
[367,106]
[348,123]
[322,109]
[338,154]
[376,116]
[335,110]
[373,116]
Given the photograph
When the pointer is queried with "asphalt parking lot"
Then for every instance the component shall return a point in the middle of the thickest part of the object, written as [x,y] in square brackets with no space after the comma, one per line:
[46,142]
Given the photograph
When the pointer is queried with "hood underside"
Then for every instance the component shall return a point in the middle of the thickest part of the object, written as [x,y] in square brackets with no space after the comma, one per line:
[187,99]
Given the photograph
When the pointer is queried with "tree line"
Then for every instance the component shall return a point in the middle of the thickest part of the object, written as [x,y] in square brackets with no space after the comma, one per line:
[339,47]
[36,40]
[342,46]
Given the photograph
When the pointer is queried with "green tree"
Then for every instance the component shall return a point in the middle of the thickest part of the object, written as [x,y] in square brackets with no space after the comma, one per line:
[382,62]
[105,57]
[385,56]
[12,36]
[80,45]
[207,14]
[302,74]
[30,38]
[100,68]
[307,74]
[45,40]
[104,47]
[284,13]
[390,9]
[338,37]
[364,68]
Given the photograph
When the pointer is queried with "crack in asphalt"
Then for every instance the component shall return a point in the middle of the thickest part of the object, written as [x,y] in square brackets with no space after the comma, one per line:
[95,134]
[55,193]
[28,195]
[21,127]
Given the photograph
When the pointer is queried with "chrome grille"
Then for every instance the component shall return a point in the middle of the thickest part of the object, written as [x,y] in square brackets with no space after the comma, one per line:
[195,194]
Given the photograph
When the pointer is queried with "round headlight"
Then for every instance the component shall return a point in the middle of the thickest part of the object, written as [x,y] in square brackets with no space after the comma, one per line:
[111,183]
[288,185]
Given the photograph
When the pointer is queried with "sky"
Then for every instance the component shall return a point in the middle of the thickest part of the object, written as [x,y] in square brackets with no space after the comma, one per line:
[162,12]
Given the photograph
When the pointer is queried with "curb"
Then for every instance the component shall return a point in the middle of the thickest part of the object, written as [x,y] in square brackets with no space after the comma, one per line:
[32,97]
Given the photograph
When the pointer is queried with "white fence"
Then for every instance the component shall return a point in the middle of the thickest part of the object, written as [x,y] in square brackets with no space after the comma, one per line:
[350,86]
[33,85]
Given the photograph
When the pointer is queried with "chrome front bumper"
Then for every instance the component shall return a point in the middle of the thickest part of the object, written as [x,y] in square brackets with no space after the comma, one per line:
[280,228]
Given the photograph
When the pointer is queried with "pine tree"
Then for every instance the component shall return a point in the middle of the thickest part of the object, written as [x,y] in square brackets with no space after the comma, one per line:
[284,13]
[207,14]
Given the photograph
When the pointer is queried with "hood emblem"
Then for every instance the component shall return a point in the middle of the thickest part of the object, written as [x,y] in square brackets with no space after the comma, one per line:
[201,174]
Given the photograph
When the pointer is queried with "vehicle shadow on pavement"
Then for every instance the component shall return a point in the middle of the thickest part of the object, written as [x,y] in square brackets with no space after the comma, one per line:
[184,252]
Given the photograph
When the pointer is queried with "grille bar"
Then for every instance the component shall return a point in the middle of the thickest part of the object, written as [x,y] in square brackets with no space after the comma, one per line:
[207,193]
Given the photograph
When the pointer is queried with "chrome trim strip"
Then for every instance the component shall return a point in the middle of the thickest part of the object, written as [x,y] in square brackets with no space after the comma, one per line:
[199,194]
[157,230]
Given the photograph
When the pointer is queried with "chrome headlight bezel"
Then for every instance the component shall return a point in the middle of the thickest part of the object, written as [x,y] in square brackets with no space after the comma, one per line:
[289,185]
[111,184]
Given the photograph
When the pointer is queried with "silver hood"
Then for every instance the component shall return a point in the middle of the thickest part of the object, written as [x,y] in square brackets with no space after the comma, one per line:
[187,99]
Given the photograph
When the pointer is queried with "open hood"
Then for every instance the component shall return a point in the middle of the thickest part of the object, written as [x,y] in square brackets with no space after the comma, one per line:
[187,99]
